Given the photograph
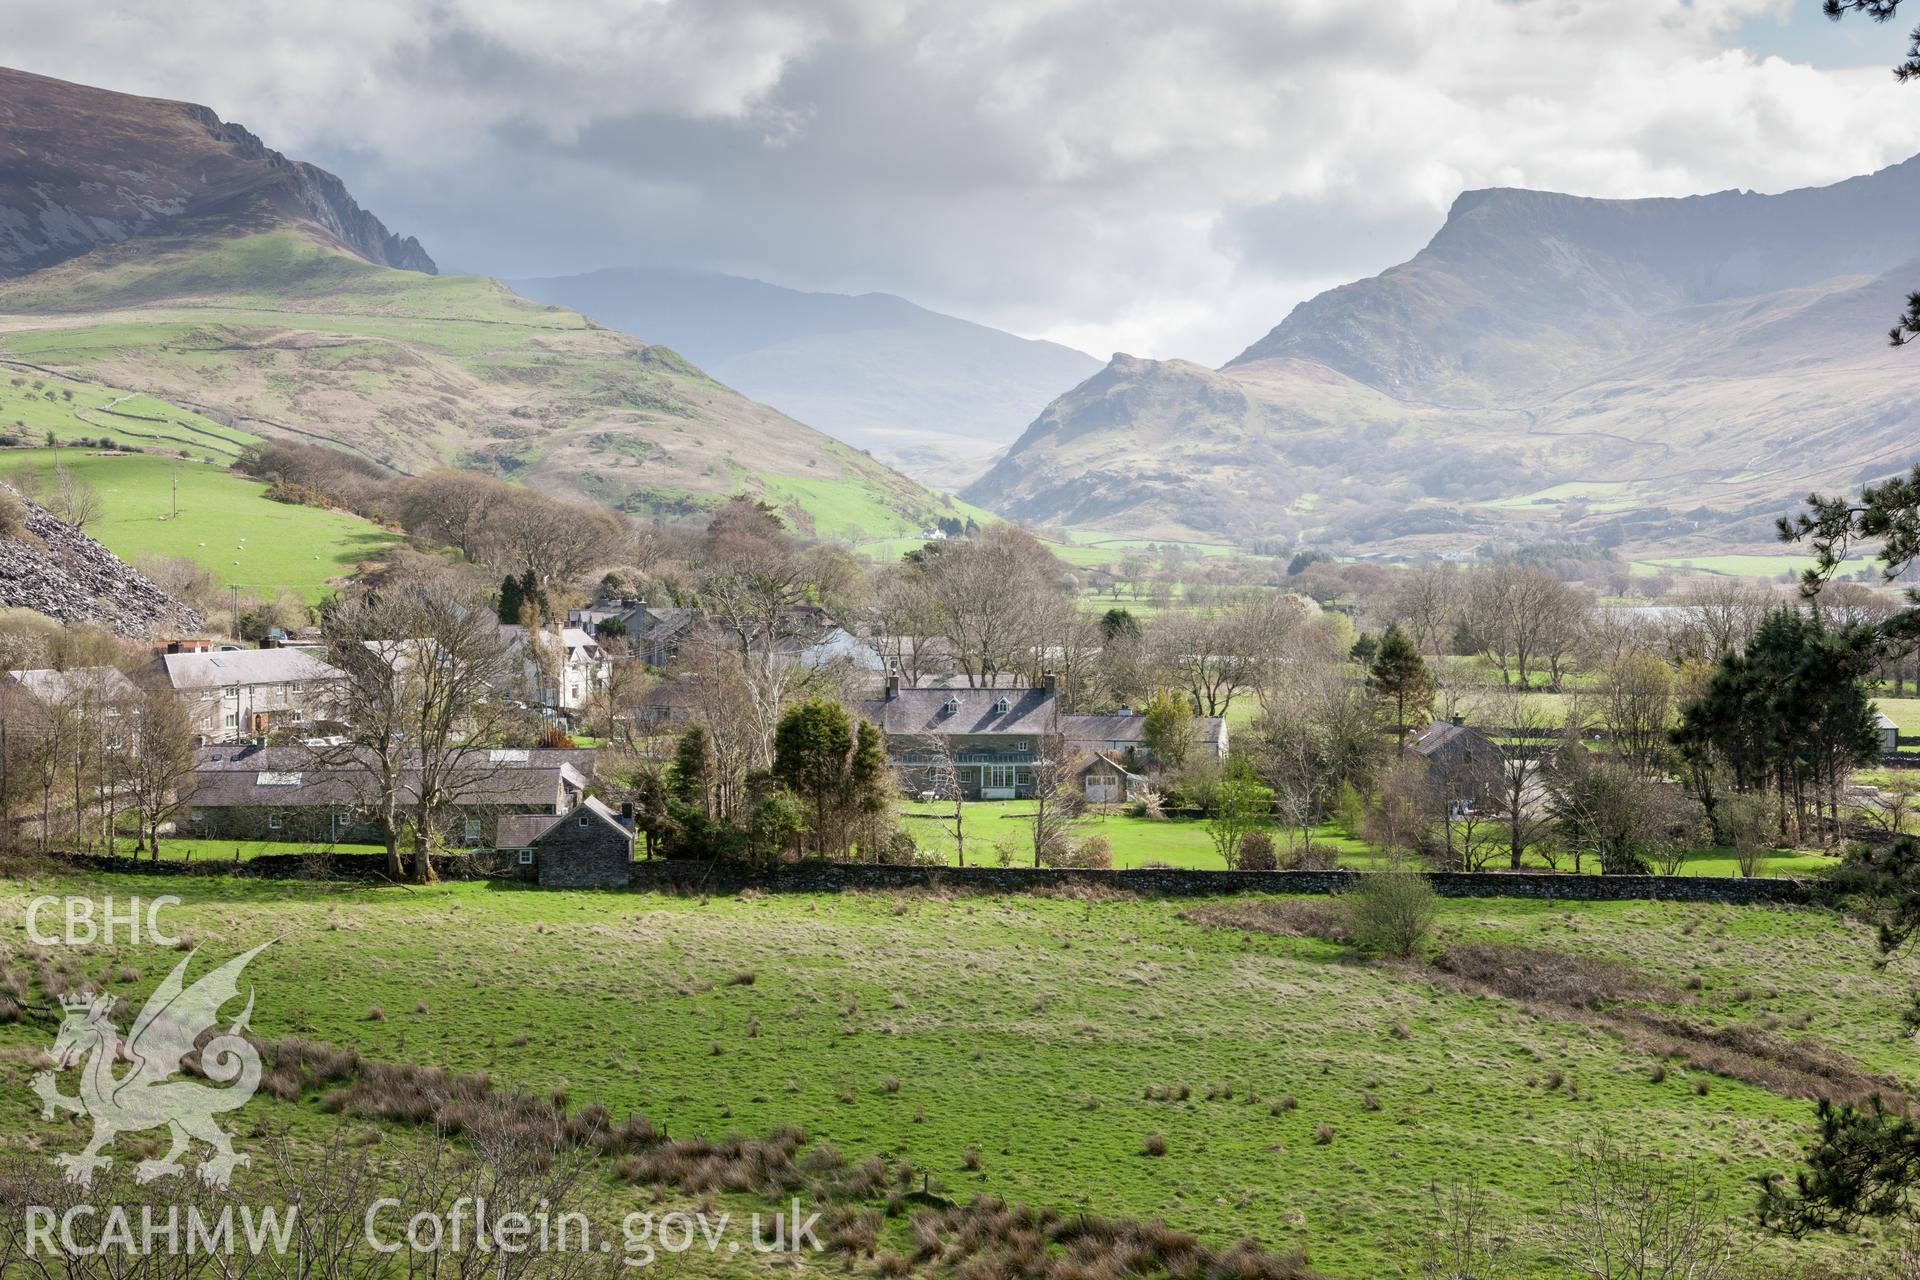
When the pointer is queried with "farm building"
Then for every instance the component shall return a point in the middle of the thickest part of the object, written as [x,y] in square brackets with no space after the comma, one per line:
[1104,780]
[325,797]
[587,847]
[1123,736]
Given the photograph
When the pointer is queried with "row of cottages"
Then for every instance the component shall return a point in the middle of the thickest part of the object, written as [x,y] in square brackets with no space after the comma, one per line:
[233,695]
[991,739]
[324,796]
[239,695]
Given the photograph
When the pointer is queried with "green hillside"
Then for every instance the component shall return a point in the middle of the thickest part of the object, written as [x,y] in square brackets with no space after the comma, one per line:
[224,521]
[285,335]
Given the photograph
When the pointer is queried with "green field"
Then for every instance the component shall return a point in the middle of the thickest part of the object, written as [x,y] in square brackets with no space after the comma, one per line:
[1735,565]
[1032,1030]
[990,826]
[225,522]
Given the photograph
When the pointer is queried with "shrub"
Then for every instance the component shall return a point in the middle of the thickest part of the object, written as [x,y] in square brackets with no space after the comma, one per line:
[1256,852]
[1392,913]
[1155,1145]
[13,516]
[1323,1135]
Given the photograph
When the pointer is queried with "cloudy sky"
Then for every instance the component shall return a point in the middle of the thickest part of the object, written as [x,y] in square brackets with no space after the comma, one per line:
[1163,177]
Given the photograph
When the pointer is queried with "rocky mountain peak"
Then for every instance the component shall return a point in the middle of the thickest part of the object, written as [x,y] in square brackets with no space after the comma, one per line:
[82,167]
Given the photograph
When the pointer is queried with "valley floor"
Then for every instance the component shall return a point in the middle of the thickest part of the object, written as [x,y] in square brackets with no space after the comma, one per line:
[1037,1031]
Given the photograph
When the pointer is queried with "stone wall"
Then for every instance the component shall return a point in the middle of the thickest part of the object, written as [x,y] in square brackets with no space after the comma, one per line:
[835,877]
[702,877]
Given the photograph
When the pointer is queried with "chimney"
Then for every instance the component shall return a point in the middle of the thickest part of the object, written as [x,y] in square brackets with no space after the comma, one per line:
[626,814]
[893,687]
[173,646]
[1050,684]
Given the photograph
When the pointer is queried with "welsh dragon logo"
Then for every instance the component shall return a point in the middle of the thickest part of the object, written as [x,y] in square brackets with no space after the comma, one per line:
[145,1096]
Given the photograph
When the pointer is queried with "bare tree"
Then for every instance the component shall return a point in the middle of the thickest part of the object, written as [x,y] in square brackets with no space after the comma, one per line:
[1518,725]
[73,498]
[1057,802]
[1428,599]
[556,541]
[1636,707]
[1629,1217]
[423,667]
[156,762]
[931,774]
[985,592]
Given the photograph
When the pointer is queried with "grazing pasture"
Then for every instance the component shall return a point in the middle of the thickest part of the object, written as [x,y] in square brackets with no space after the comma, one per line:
[1216,1065]
[225,521]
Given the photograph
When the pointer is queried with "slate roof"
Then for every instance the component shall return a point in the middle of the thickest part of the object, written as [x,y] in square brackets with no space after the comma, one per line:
[56,686]
[245,666]
[923,712]
[517,830]
[1130,729]
[295,777]
[1439,734]
[525,830]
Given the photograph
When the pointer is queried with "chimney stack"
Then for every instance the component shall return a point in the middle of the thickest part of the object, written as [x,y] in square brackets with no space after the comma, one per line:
[1050,684]
[893,687]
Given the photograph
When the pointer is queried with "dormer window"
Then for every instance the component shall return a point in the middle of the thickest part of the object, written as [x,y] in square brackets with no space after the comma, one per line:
[1001,707]
[953,706]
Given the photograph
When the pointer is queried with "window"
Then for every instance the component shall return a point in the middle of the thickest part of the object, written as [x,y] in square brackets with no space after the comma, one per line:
[1001,707]
[526,857]
[273,822]
[953,706]
[472,830]
[583,819]
[231,691]
[233,719]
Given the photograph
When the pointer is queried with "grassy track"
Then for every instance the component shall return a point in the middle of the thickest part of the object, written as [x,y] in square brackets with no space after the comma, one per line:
[1031,1028]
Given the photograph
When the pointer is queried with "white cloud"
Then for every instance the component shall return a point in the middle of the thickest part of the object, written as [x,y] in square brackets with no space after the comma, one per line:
[1159,176]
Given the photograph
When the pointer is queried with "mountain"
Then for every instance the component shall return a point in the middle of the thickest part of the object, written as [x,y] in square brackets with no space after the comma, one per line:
[81,168]
[1631,369]
[934,395]
[154,248]
[53,568]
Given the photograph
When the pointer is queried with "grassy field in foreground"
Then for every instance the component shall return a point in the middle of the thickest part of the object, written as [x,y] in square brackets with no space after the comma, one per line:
[991,826]
[1031,1030]
[225,522]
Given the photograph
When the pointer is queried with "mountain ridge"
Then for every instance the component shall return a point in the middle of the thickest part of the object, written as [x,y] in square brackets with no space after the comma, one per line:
[1673,355]
[246,302]
[936,392]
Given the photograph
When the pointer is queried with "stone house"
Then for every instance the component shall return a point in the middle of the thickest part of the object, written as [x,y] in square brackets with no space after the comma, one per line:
[301,795]
[561,670]
[587,847]
[1464,767]
[991,737]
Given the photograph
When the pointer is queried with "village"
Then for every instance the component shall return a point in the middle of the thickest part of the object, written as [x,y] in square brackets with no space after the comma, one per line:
[793,707]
